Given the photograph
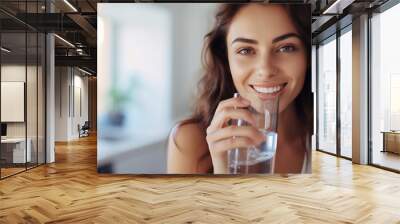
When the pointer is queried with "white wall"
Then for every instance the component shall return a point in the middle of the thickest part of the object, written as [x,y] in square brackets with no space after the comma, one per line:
[68,82]
[61,103]
[188,39]
[79,117]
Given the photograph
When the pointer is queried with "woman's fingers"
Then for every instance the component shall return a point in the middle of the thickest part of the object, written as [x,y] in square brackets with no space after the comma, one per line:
[221,115]
[221,138]
[221,147]
[220,119]
[234,131]
[234,137]
[238,102]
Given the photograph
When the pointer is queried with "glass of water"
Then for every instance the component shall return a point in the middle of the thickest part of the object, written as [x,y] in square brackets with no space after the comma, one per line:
[257,158]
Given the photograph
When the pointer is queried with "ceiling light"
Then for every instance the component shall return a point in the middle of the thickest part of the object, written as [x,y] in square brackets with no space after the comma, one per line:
[338,6]
[84,71]
[70,5]
[5,49]
[64,40]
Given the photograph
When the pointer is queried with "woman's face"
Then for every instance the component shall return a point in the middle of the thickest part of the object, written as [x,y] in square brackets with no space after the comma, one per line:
[266,55]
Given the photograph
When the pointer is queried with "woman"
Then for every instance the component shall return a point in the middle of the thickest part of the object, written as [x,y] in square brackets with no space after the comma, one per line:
[255,50]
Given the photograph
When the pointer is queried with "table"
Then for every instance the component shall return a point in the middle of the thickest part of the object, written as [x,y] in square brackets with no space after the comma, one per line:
[16,147]
[391,141]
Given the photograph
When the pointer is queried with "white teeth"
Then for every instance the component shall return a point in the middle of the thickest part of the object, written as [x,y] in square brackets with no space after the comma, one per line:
[268,89]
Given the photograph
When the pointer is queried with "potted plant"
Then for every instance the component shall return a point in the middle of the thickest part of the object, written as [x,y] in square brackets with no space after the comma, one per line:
[119,99]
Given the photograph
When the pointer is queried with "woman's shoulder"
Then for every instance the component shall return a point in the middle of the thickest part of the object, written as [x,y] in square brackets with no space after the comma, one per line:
[189,137]
[188,149]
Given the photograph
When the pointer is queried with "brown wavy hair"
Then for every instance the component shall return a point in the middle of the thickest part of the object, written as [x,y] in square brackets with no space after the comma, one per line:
[216,83]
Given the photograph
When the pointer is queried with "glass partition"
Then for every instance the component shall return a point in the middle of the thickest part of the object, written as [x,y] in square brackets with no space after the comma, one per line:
[345,93]
[327,96]
[385,89]
[23,91]
[14,153]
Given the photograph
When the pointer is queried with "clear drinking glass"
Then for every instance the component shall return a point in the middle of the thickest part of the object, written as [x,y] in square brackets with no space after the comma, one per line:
[257,158]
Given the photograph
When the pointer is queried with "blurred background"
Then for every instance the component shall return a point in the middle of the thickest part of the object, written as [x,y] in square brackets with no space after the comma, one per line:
[149,63]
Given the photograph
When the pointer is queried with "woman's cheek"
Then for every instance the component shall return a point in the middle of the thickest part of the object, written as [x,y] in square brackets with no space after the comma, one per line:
[240,68]
[241,61]
[294,69]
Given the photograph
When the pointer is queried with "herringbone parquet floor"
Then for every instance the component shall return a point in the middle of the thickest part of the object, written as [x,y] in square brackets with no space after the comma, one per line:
[71,191]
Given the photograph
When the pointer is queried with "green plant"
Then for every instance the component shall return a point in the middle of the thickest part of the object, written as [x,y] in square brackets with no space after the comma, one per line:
[120,97]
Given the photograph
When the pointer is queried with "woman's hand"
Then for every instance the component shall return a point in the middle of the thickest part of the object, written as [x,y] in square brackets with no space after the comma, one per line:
[221,137]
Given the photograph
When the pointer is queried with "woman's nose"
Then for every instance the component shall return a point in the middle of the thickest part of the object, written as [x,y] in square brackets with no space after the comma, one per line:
[266,67]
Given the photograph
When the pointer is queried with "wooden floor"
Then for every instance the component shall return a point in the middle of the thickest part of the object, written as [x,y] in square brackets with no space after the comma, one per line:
[10,171]
[5,172]
[71,191]
[387,159]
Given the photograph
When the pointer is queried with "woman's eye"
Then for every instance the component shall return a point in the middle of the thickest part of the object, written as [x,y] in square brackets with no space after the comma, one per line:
[245,51]
[288,48]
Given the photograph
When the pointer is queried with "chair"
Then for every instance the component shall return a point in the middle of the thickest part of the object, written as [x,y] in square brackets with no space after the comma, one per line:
[84,130]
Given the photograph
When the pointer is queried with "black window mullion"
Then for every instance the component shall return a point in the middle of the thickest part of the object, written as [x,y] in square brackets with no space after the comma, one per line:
[45,93]
[37,90]
[26,87]
[338,73]
[317,97]
[369,78]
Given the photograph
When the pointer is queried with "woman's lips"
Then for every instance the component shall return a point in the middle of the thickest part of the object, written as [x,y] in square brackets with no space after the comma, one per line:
[268,91]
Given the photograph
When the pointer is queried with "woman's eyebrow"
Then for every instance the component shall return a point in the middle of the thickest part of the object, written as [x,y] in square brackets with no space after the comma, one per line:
[244,40]
[276,39]
[285,36]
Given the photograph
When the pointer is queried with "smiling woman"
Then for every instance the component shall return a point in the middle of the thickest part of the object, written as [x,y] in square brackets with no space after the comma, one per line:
[260,51]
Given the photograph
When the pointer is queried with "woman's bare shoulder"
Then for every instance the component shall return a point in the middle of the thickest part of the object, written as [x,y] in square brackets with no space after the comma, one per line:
[188,150]
[190,138]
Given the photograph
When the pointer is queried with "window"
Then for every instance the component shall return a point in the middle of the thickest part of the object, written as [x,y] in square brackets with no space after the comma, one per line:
[345,93]
[385,89]
[327,96]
